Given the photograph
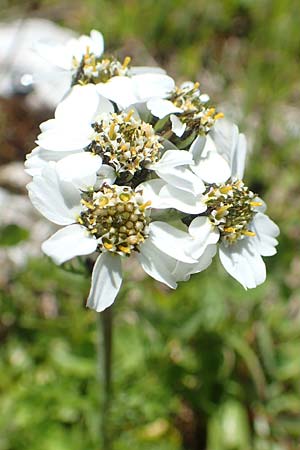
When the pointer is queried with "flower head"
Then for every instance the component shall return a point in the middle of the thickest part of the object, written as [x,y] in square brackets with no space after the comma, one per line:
[110,221]
[187,109]
[231,209]
[97,69]
[125,142]
[232,216]
[117,217]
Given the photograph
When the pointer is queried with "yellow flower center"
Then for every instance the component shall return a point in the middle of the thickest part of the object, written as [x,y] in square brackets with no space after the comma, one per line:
[231,207]
[125,143]
[95,69]
[196,115]
[117,216]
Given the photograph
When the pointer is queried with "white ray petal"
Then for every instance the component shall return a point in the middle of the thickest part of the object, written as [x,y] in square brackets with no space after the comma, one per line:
[243,263]
[183,271]
[150,85]
[151,192]
[197,148]
[119,90]
[106,174]
[182,178]
[239,158]
[39,158]
[173,158]
[106,281]
[81,105]
[57,201]
[212,169]
[181,200]
[80,169]
[157,264]
[138,70]
[203,234]
[170,240]
[70,241]
[266,232]
[178,127]
[161,108]
[64,139]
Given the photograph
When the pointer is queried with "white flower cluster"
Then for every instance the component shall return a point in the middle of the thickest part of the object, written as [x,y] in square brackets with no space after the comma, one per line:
[133,164]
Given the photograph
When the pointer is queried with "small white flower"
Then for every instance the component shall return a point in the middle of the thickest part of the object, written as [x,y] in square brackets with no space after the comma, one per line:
[68,56]
[232,215]
[111,220]
[115,80]
[186,108]
[85,122]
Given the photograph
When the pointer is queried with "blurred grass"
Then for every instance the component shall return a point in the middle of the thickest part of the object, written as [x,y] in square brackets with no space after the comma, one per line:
[209,366]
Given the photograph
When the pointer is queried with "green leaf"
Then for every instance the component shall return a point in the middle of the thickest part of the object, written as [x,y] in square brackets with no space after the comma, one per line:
[12,234]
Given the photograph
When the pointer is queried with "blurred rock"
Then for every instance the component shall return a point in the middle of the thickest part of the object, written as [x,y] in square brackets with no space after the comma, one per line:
[13,177]
[17,209]
[23,71]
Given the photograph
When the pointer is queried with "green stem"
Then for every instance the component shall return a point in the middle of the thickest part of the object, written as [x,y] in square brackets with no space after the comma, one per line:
[106,333]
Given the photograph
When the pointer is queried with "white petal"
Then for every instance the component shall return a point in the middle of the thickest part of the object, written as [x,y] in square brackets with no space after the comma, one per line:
[39,158]
[203,234]
[151,192]
[150,85]
[172,158]
[205,259]
[119,90]
[78,47]
[81,105]
[178,127]
[57,55]
[71,241]
[65,139]
[157,264]
[243,263]
[161,108]
[181,200]
[182,178]
[138,70]
[47,125]
[170,240]
[212,169]
[197,148]
[57,201]
[212,165]
[106,174]
[239,157]
[183,271]
[106,281]
[34,162]
[80,169]
[97,46]
[231,145]
[266,231]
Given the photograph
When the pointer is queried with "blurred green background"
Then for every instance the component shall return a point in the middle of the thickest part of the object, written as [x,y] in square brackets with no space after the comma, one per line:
[208,366]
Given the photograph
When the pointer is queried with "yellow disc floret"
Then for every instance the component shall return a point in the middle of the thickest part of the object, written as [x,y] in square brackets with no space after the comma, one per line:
[117,216]
[197,116]
[98,69]
[231,208]
[125,142]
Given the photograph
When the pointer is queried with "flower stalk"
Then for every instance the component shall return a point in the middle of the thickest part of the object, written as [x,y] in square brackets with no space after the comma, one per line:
[105,322]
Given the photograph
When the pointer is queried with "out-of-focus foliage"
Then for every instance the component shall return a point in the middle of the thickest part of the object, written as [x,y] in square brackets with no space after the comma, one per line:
[209,366]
